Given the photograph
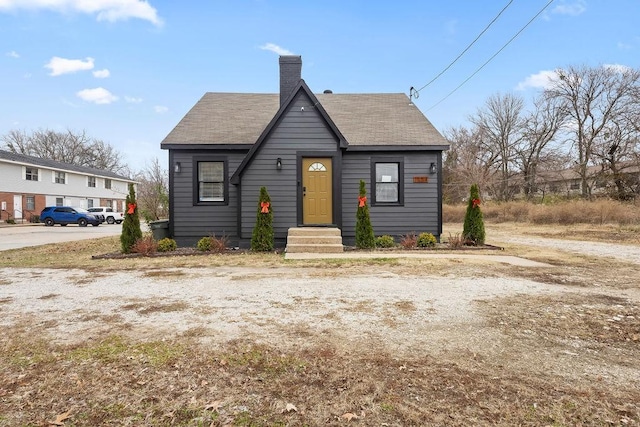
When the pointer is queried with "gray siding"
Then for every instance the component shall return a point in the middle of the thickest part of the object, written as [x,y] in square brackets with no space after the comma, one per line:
[420,210]
[191,223]
[298,131]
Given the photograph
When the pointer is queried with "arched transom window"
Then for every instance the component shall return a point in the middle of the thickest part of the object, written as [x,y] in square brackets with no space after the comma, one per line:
[317,167]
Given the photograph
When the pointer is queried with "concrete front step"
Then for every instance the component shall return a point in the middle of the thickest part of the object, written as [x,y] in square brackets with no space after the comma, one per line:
[314,240]
[293,248]
[314,231]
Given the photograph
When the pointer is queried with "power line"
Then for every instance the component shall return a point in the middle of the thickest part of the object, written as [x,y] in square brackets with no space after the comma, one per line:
[492,57]
[467,48]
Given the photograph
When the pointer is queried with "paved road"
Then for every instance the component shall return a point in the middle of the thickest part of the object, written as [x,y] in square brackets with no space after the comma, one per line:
[21,236]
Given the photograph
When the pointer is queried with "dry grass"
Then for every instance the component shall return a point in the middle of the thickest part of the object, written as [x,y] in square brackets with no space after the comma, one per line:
[598,212]
[114,381]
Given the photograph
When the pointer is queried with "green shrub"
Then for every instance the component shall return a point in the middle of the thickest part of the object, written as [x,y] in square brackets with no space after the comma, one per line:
[212,244]
[262,238]
[385,241]
[35,219]
[426,240]
[167,245]
[473,229]
[10,221]
[131,231]
[365,239]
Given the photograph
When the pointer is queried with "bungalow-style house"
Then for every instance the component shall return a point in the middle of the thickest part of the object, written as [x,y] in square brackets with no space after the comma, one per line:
[28,184]
[310,151]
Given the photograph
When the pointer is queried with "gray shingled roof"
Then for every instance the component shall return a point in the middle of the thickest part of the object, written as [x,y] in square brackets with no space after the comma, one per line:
[363,119]
[51,164]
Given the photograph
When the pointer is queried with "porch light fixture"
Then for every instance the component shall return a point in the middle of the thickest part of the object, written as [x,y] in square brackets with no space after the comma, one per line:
[433,168]
[176,167]
[279,163]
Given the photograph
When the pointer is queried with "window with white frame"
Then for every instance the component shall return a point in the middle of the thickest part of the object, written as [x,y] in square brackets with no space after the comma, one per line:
[31,174]
[89,203]
[107,184]
[60,177]
[91,181]
[59,201]
[31,203]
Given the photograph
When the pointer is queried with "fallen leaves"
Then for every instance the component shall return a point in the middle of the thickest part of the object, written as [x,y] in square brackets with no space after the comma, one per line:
[60,419]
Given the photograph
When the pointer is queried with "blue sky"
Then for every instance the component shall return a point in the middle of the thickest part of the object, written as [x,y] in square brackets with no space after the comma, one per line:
[126,71]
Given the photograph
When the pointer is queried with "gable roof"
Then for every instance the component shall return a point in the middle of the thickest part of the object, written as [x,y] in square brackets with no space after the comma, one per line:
[383,119]
[52,164]
[302,86]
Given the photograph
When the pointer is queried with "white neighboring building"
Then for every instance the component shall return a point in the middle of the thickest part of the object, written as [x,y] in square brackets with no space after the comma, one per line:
[28,184]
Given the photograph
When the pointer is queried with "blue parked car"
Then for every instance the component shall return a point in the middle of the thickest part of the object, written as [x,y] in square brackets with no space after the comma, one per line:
[64,215]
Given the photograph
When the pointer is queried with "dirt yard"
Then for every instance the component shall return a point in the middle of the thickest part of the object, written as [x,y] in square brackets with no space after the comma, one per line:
[208,341]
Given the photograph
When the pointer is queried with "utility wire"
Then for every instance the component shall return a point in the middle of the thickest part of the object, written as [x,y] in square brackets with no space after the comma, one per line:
[467,48]
[492,57]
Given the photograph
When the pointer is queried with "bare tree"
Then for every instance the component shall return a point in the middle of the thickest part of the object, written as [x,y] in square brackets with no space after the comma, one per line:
[153,191]
[595,97]
[465,163]
[540,128]
[500,125]
[70,147]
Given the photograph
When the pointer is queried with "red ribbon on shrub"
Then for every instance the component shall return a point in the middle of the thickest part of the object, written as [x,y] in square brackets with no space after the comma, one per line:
[362,201]
[475,202]
[132,208]
[265,207]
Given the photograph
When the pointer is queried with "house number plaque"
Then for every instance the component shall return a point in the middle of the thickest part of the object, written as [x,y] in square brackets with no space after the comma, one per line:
[420,179]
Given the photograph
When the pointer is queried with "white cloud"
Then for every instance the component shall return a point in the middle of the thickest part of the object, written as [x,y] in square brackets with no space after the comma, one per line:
[101,74]
[160,109]
[541,80]
[624,46]
[575,8]
[59,66]
[132,100]
[276,49]
[13,54]
[98,95]
[105,10]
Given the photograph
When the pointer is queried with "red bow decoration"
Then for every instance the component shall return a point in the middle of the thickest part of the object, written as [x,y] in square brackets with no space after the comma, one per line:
[475,202]
[265,207]
[362,200]
[132,208]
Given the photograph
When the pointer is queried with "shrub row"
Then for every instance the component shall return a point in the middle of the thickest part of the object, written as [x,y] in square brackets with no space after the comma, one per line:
[602,211]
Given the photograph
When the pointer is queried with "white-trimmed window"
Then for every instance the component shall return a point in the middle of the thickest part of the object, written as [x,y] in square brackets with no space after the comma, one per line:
[59,201]
[107,183]
[31,203]
[59,177]
[91,181]
[30,173]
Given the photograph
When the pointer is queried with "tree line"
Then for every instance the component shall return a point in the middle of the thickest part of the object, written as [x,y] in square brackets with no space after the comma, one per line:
[586,120]
[77,148]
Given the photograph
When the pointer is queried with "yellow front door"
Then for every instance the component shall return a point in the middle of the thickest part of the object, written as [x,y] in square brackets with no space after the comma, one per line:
[317,205]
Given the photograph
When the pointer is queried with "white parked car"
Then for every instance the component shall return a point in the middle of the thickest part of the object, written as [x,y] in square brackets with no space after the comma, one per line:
[109,214]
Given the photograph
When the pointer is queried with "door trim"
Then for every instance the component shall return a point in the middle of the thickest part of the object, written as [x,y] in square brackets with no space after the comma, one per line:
[336,178]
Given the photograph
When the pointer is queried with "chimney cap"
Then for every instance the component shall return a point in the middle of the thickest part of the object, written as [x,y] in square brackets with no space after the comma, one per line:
[327,91]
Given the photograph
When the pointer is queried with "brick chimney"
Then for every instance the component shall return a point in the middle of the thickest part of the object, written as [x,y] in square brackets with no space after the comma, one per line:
[290,75]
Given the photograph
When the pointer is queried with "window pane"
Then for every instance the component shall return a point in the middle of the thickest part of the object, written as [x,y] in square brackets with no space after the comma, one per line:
[386,172]
[211,171]
[211,192]
[386,192]
[31,203]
